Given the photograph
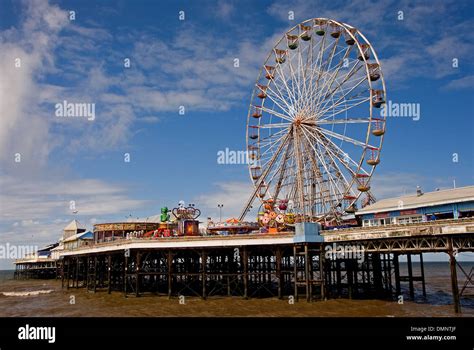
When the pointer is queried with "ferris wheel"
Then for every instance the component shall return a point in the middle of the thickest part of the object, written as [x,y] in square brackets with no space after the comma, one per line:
[314,128]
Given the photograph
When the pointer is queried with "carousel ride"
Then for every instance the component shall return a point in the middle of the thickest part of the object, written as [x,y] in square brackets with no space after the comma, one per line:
[314,136]
[183,223]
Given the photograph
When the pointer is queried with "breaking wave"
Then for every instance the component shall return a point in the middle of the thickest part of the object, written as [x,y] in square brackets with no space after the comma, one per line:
[26,293]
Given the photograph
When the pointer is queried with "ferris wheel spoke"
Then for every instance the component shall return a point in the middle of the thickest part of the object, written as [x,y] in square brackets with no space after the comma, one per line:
[279,97]
[282,171]
[319,86]
[290,92]
[333,172]
[278,170]
[274,125]
[324,91]
[316,68]
[323,163]
[363,100]
[330,151]
[344,158]
[266,154]
[299,170]
[320,59]
[327,87]
[329,59]
[330,178]
[261,180]
[318,178]
[269,143]
[315,93]
[300,73]
[273,144]
[274,98]
[308,80]
[345,138]
[351,73]
[341,99]
[344,121]
[277,114]
[295,83]
[290,81]
[308,65]
[300,77]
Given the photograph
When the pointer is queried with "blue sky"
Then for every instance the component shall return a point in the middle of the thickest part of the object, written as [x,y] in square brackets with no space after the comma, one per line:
[190,63]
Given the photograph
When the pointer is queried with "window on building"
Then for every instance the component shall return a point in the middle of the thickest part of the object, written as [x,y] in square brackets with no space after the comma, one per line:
[403,221]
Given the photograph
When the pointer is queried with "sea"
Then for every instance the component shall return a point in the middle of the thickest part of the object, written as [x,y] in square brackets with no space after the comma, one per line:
[46,298]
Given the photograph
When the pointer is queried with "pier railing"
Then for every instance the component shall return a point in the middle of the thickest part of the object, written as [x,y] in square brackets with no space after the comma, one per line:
[430,228]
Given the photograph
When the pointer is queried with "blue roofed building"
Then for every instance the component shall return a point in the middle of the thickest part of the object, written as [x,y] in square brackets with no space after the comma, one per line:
[452,203]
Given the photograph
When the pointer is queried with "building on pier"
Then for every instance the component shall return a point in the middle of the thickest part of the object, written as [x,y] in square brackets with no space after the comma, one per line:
[43,263]
[39,264]
[78,240]
[420,207]
[73,228]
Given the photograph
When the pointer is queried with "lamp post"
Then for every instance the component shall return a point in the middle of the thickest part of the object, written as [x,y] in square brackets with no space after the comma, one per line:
[220,211]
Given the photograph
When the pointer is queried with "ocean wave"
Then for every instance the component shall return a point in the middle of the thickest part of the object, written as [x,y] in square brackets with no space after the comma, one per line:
[27,293]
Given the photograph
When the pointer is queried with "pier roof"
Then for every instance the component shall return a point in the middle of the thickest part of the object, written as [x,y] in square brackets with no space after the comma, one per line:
[449,196]
[83,235]
[74,225]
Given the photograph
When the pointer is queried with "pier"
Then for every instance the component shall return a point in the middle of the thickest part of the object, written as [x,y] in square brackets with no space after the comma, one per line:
[40,268]
[269,265]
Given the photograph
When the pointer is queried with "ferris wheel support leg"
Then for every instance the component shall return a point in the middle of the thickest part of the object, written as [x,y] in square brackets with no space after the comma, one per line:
[300,170]
[260,181]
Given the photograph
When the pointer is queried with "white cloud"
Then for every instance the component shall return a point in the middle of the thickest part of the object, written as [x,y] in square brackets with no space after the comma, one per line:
[149,119]
[22,130]
[41,199]
[224,9]
[232,195]
[396,184]
[466,82]
[35,210]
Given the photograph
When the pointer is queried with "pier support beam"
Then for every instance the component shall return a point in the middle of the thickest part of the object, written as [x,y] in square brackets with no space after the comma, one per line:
[109,274]
[396,264]
[307,263]
[278,272]
[68,269]
[423,284]
[125,281]
[203,271]
[410,277]
[295,272]
[454,276]
[137,274]
[62,274]
[77,273]
[170,273]
[95,273]
[322,263]
[245,272]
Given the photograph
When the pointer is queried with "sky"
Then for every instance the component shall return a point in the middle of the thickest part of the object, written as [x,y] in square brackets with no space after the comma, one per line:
[160,122]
